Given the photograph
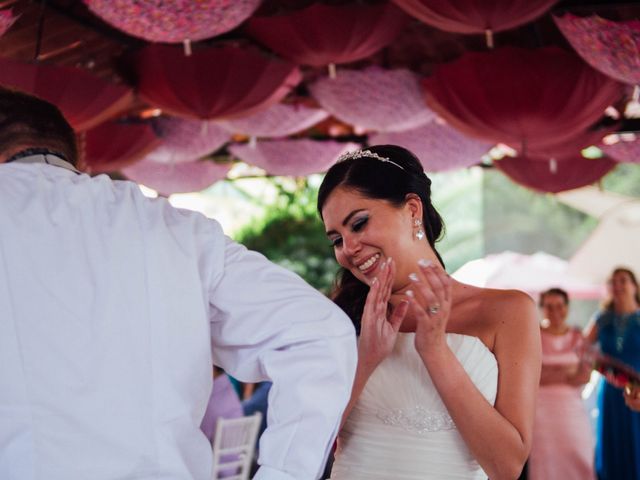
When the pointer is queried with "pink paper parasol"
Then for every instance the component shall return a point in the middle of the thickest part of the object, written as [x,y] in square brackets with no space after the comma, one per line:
[292,157]
[612,48]
[113,145]
[324,34]
[374,99]
[176,178]
[439,147]
[214,82]
[173,21]
[555,175]
[85,100]
[532,99]
[475,16]
[185,140]
[279,120]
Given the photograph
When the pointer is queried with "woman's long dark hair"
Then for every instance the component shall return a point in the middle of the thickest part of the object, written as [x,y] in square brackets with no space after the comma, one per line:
[388,181]
[608,303]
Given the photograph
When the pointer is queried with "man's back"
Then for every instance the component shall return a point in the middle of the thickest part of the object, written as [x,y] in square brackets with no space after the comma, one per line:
[104,332]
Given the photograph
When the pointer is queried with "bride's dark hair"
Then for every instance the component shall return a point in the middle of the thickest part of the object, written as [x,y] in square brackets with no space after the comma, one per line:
[391,181]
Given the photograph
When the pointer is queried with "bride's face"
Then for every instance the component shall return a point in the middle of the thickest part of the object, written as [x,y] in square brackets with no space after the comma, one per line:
[364,232]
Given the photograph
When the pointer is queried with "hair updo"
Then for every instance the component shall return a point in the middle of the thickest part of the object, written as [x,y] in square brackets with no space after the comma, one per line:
[389,180]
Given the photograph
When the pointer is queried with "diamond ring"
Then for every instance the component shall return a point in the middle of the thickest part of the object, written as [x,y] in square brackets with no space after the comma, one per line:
[433,309]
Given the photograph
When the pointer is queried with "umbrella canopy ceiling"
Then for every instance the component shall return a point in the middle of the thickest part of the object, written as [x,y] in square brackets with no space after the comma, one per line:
[246,75]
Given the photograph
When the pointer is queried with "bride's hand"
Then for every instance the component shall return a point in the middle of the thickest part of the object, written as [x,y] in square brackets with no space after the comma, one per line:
[377,333]
[430,305]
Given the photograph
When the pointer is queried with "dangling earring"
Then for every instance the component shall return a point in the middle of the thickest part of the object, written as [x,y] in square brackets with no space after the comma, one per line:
[419,233]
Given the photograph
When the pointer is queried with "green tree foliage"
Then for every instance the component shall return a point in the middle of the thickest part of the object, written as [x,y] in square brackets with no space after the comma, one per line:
[291,234]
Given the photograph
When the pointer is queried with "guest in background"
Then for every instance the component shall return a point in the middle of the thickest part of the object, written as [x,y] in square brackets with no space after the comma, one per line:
[223,403]
[562,445]
[617,329]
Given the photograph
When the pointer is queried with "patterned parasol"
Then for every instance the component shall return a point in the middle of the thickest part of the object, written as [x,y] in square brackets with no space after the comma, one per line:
[439,147]
[278,120]
[623,151]
[612,48]
[185,140]
[292,157]
[374,99]
[174,21]
[168,179]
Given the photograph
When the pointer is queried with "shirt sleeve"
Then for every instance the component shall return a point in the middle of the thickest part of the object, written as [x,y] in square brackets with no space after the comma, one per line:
[268,324]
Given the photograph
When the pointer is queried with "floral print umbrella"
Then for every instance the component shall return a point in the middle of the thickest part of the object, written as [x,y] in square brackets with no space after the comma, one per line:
[292,157]
[374,99]
[279,120]
[439,147]
[173,21]
[612,48]
[623,151]
[168,179]
[186,140]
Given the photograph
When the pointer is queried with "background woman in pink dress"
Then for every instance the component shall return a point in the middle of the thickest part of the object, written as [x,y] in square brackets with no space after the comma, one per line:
[562,438]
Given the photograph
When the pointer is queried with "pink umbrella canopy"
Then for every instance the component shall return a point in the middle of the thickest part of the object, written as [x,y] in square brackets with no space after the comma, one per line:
[6,20]
[185,140]
[85,100]
[113,145]
[323,34]
[553,176]
[531,99]
[439,147]
[174,21]
[623,151]
[168,179]
[279,120]
[475,16]
[612,48]
[374,99]
[292,157]
[530,273]
[215,82]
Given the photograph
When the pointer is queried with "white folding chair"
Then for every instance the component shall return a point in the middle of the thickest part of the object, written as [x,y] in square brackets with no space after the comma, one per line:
[234,445]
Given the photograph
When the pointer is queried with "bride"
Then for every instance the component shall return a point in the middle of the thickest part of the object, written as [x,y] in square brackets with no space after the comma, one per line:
[447,373]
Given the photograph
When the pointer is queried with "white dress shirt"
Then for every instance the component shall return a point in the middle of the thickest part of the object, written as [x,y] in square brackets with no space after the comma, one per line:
[113,307]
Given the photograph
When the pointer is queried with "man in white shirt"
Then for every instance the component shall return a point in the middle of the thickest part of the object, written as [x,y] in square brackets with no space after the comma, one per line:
[113,307]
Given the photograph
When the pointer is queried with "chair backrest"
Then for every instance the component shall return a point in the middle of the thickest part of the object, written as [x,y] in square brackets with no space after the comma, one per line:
[233,446]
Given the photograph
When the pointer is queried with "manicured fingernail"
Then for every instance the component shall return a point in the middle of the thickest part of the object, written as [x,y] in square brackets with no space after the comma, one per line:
[374,281]
[383,264]
[409,293]
[424,263]
[413,277]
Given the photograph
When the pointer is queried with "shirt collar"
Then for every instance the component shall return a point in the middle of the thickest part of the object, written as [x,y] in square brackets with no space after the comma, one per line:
[44,156]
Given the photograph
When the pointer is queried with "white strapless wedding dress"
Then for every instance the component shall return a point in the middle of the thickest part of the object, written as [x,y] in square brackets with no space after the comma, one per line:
[400,429]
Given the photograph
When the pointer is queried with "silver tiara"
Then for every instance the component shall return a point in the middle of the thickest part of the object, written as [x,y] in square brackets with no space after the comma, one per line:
[368,154]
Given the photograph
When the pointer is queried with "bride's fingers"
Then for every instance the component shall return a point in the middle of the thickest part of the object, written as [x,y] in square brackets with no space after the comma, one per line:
[437,279]
[398,314]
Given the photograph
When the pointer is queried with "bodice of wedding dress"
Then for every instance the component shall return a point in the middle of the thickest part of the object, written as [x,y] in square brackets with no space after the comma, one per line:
[400,429]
